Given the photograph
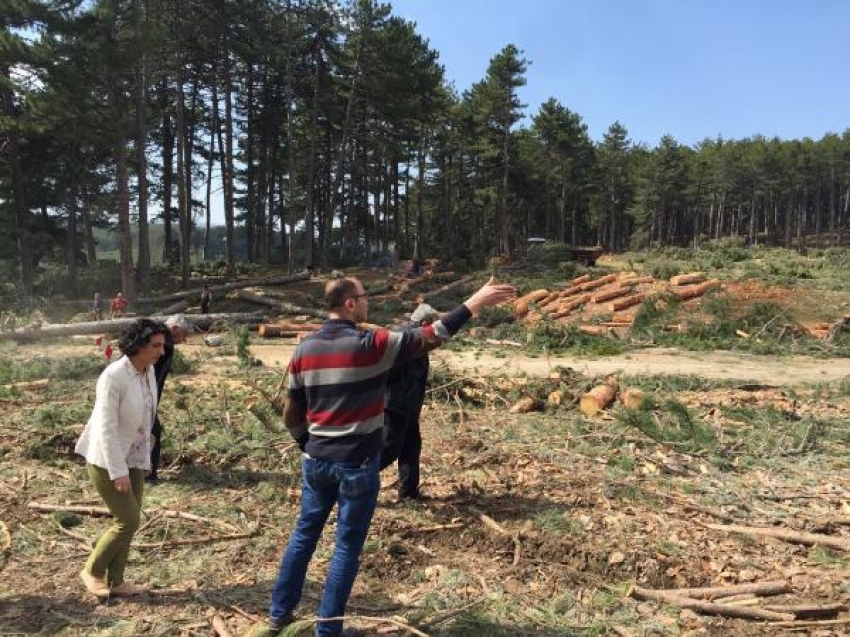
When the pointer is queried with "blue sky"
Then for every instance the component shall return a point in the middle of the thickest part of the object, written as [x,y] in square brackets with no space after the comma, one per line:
[689,68]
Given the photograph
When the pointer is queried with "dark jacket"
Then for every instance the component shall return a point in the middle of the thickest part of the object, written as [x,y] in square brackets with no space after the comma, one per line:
[163,366]
[406,387]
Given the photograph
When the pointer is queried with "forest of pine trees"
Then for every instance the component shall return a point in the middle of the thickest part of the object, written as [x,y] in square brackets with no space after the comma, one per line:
[329,132]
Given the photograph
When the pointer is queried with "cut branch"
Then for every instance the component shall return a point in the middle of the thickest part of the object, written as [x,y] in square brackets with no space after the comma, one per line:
[786,535]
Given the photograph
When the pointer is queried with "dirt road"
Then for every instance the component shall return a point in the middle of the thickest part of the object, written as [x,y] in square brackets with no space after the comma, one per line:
[786,371]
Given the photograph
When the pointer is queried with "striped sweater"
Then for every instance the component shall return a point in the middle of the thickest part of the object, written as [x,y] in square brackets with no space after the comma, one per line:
[339,375]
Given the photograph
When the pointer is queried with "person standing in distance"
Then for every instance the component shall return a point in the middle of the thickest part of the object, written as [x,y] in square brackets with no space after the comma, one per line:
[335,411]
[178,328]
[405,394]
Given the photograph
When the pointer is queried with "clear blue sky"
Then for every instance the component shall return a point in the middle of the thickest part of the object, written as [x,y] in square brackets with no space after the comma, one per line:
[689,68]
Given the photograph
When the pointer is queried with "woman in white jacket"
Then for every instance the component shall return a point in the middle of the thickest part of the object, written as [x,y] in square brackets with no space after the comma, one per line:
[116,444]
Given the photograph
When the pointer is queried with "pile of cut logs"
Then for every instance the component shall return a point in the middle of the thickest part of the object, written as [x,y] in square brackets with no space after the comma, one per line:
[612,292]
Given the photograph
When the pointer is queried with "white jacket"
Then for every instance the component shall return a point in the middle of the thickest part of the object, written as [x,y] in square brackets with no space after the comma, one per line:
[116,419]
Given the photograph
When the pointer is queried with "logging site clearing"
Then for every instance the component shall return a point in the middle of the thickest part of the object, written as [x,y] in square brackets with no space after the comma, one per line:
[655,445]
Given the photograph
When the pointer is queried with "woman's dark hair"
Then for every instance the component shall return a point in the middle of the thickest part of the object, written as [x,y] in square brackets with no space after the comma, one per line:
[139,334]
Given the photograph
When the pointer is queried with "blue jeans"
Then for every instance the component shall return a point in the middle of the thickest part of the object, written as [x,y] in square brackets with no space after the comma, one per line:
[355,488]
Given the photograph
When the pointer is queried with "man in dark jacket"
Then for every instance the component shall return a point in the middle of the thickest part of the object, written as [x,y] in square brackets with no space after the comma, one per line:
[405,394]
[179,328]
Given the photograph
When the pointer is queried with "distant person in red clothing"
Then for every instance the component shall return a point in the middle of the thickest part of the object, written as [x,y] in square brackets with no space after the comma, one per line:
[119,306]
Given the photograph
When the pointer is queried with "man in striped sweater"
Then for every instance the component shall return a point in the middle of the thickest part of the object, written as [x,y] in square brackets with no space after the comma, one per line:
[337,387]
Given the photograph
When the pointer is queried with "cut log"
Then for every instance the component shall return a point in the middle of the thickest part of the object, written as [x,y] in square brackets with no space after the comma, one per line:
[599,297]
[549,298]
[687,279]
[116,326]
[584,278]
[787,535]
[29,385]
[629,301]
[282,306]
[174,308]
[569,306]
[693,291]
[764,589]
[632,398]
[524,405]
[269,330]
[599,397]
[813,611]
[595,330]
[633,281]
[598,283]
[708,608]
[272,331]
[235,285]
[531,297]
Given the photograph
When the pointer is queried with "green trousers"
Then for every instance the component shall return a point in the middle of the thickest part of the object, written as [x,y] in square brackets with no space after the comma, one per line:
[112,550]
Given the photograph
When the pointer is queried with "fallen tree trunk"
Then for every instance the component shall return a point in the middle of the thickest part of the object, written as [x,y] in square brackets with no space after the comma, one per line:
[598,283]
[273,331]
[235,285]
[116,326]
[693,291]
[599,297]
[282,306]
[810,611]
[629,301]
[687,279]
[786,535]
[764,589]
[29,385]
[174,308]
[566,308]
[291,327]
[522,303]
[633,281]
[584,278]
[598,398]
[708,608]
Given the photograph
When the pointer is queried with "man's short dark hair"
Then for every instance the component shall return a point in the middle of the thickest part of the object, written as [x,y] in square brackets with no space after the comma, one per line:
[139,334]
[337,290]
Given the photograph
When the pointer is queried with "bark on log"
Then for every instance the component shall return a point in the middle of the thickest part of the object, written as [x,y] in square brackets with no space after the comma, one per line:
[598,398]
[282,306]
[806,611]
[632,398]
[595,330]
[708,608]
[116,326]
[786,535]
[584,278]
[566,308]
[633,281]
[174,308]
[629,301]
[272,329]
[549,298]
[598,283]
[764,589]
[693,291]
[533,297]
[687,279]
[524,405]
[599,297]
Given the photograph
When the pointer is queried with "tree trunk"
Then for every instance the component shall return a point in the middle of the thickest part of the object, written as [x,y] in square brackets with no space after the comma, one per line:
[250,168]
[230,252]
[144,256]
[214,128]
[310,213]
[182,195]
[167,173]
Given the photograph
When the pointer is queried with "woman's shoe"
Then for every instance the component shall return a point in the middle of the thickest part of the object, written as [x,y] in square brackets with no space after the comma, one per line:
[95,585]
[128,589]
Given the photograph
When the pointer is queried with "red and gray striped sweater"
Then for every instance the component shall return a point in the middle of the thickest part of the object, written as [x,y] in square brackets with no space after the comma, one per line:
[339,376]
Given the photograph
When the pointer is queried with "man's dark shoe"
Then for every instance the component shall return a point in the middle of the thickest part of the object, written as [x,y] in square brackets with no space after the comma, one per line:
[152,479]
[417,496]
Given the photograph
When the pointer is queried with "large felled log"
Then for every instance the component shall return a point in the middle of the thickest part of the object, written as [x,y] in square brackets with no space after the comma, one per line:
[116,326]
[629,301]
[584,278]
[282,306]
[693,291]
[599,397]
[284,326]
[687,279]
[599,297]
[522,304]
[787,535]
[598,283]
[708,608]
[270,330]
[235,285]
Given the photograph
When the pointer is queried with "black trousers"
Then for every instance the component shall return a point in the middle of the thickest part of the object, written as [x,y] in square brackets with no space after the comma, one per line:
[156,432]
[403,443]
